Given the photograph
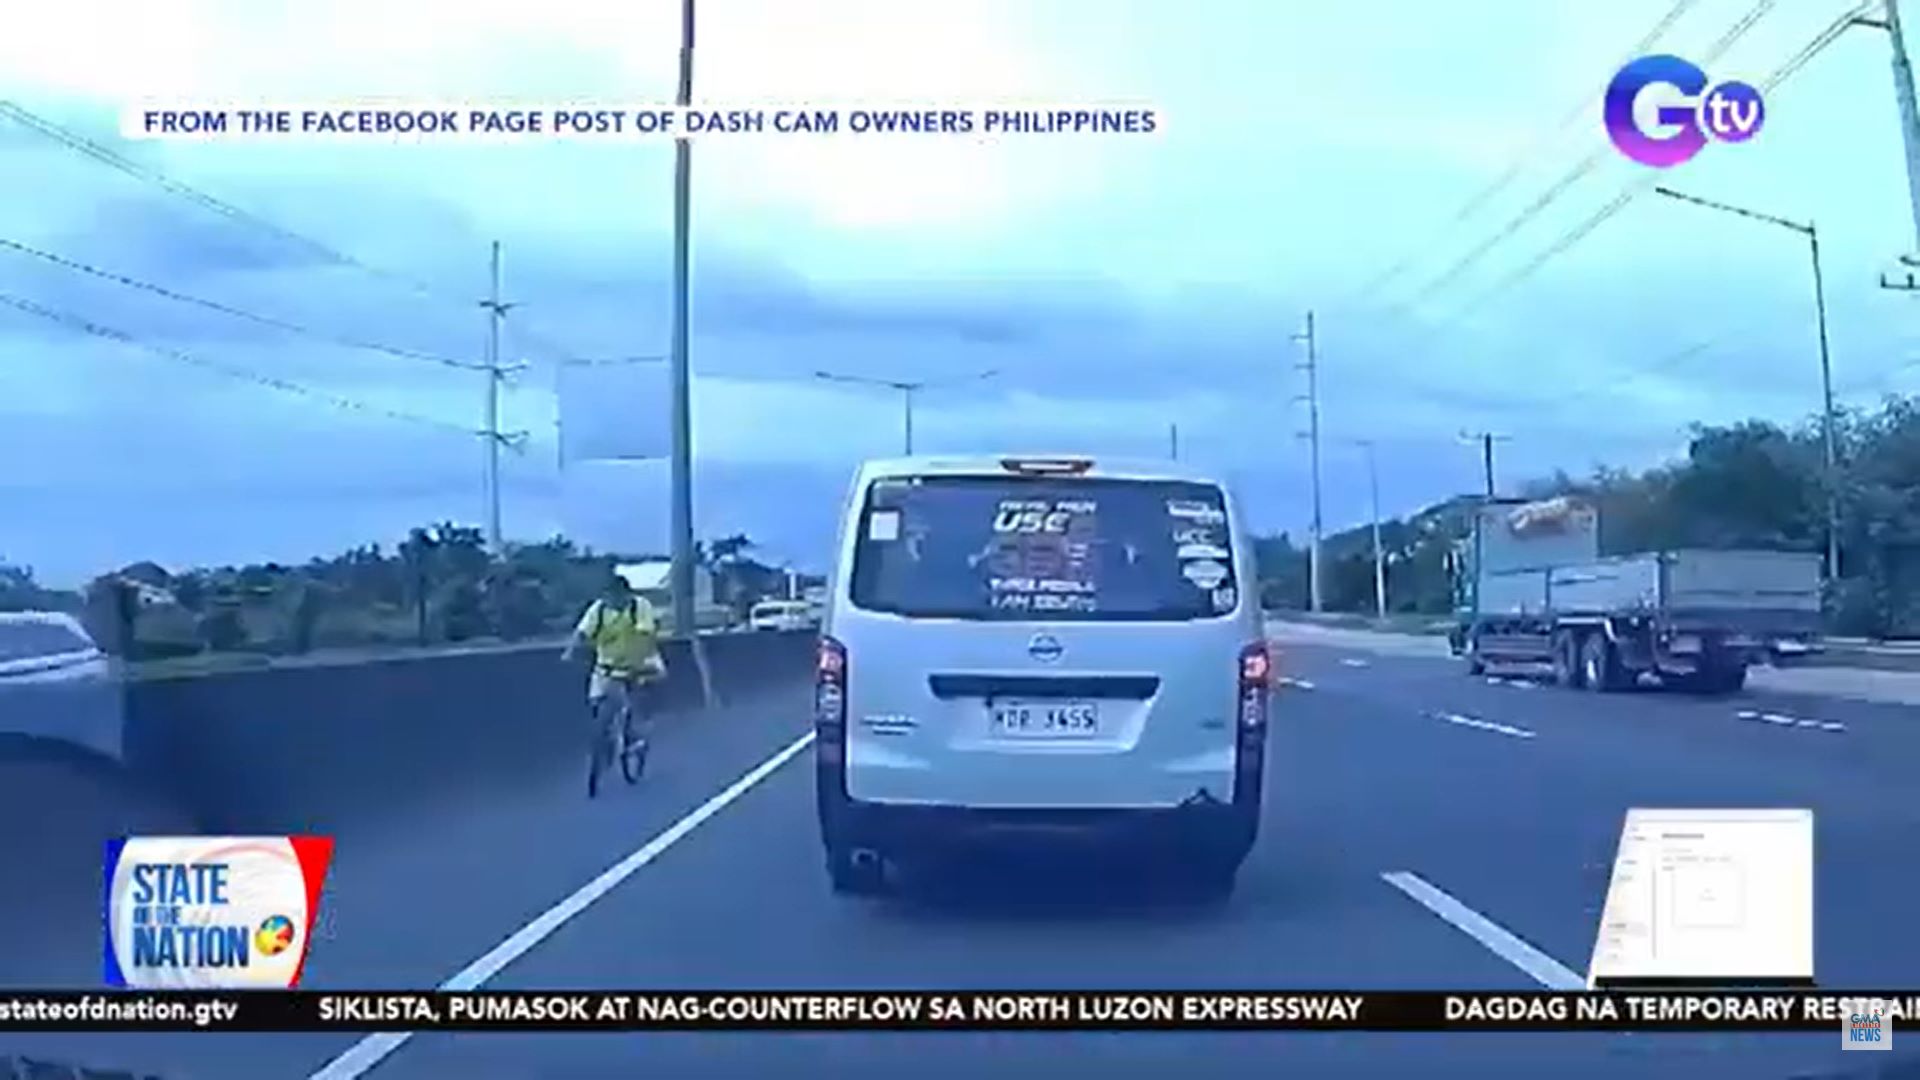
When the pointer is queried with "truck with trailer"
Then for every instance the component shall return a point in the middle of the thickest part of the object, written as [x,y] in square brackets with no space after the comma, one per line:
[1531,587]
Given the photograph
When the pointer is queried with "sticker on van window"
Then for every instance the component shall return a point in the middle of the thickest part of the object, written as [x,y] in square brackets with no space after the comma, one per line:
[883,525]
[1194,510]
[1225,598]
[1193,534]
[1206,573]
[1200,551]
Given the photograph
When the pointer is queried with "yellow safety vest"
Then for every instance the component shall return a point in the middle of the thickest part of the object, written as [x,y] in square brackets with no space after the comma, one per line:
[625,639]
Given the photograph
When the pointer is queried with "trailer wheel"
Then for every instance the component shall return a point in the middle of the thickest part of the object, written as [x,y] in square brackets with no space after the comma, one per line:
[1600,664]
[1567,671]
[1476,665]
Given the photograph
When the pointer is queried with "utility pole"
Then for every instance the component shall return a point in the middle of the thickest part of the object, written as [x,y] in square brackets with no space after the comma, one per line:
[1909,112]
[496,311]
[1312,368]
[1173,441]
[906,400]
[1909,135]
[1379,550]
[1485,440]
[681,378]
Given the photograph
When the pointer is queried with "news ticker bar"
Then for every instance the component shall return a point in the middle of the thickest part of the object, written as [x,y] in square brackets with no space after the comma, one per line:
[1077,1010]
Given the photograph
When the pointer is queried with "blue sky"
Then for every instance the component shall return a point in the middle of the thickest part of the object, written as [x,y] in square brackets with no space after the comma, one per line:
[1117,284]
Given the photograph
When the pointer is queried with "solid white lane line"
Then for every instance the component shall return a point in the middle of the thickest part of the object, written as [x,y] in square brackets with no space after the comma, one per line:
[1485,725]
[371,1050]
[1542,968]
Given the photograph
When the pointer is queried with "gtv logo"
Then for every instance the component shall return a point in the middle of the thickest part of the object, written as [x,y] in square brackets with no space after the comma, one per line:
[1729,112]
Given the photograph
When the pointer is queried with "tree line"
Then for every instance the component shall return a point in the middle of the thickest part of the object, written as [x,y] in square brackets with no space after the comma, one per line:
[1749,484]
[438,585]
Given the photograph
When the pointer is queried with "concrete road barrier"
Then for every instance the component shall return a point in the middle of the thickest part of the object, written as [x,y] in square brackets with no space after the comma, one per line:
[324,747]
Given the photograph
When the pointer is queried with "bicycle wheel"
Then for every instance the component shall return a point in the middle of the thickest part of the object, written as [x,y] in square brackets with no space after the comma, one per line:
[597,749]
[633,751]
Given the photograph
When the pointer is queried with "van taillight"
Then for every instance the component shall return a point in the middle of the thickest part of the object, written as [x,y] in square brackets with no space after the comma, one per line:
[830,692]
[1256,683]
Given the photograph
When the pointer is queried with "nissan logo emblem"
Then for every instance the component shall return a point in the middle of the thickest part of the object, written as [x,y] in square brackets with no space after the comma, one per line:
[1044,648]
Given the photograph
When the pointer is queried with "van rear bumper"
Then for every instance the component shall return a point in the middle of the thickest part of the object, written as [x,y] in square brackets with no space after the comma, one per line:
[1214,832]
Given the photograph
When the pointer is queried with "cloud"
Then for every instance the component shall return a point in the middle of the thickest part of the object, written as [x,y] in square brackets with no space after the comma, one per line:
[1118,287]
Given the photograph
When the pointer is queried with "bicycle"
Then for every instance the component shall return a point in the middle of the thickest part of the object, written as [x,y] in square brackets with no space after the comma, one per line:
[613,737]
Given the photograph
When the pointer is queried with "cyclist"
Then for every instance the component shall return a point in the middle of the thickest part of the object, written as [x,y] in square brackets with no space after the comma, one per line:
[624,634]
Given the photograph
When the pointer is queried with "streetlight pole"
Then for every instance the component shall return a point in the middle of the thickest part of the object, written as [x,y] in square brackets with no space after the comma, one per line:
[1829,436]
[682,380]
[1379,551]
[905,389]
[1830,439]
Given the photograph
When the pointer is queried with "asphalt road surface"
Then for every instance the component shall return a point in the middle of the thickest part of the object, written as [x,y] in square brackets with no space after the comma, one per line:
[1411,808]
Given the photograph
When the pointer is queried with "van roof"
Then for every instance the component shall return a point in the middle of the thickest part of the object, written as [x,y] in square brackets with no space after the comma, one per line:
[991,465]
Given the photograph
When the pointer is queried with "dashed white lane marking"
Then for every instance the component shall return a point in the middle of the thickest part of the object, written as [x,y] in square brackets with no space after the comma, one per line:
[1297,684]
[1484,725]
[370,1051]
[1352,661]
[1783,720]
[1542,968]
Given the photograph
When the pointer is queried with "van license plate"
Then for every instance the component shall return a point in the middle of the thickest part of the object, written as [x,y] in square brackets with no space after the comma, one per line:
[1046,719]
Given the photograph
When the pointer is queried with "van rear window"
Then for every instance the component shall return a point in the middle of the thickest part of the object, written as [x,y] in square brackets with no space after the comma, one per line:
[1045,549]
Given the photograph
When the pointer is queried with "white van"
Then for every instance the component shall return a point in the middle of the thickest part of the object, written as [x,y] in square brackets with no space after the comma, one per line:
[780,615]
[1029,648]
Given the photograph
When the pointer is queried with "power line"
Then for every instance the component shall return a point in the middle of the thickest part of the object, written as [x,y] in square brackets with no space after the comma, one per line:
[1513,171]
[1585,166]
[1619,202]
[272,382]
[1518,166]
[88,148]
[226,309]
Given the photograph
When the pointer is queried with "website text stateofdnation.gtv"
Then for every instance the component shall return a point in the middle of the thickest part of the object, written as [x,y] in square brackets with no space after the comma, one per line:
[103,1010]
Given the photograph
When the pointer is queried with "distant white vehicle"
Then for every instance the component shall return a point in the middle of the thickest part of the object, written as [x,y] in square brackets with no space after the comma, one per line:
[782,615]
[57,688]
[1045,649]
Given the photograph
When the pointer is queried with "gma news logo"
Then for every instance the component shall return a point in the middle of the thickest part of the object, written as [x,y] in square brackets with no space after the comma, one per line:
[1864,1025]
[1727,112]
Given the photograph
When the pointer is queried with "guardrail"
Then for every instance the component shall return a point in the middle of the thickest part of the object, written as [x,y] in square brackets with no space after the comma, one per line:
[1831,652]
[318,746]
